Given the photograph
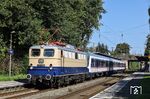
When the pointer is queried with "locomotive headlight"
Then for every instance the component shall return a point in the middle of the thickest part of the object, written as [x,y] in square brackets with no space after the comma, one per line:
[50,66]
[31,67]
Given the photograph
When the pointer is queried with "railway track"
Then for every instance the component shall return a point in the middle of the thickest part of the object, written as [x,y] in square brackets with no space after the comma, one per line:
[78,91]
[18,94]
[88,92]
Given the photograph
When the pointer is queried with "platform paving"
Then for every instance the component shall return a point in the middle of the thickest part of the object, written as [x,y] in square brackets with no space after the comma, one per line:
[121,90]
[8,84]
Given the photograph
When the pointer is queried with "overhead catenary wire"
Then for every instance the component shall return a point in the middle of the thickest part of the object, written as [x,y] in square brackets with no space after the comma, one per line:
[111,30]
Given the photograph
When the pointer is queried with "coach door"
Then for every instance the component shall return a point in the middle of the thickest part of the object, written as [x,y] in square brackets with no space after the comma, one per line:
[110,66]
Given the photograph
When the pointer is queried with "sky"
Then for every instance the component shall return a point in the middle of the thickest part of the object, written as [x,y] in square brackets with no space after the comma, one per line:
[124,21]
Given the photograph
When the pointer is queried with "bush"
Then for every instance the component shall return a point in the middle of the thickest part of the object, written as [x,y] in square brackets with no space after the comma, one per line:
[19,66]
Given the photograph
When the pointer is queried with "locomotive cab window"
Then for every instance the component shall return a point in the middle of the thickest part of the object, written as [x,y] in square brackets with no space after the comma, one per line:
[49,52]
[35,52]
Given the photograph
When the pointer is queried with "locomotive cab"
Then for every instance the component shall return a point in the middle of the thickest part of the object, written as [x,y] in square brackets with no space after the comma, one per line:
[42,59]
[45,56]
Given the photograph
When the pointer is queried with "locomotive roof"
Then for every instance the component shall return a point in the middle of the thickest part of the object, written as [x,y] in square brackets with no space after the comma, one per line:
[105,57]
[98,55]
[59,47]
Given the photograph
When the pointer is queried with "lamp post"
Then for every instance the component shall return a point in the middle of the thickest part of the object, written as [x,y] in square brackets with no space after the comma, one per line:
[10,53]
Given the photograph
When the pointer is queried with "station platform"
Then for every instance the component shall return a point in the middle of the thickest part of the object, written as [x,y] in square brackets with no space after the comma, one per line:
[122,89]
[10,84]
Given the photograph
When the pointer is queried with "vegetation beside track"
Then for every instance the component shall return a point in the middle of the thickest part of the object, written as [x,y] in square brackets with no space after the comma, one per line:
[16,77]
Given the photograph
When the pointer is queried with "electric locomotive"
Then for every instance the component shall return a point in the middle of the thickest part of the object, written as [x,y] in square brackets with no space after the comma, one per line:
[55,61]
[57,64]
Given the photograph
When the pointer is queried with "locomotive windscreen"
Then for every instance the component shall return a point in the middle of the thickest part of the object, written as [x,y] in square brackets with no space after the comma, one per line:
[35,52]
[49,52]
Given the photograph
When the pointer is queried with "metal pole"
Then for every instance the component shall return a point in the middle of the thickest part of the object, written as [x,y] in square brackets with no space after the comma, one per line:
[10,54]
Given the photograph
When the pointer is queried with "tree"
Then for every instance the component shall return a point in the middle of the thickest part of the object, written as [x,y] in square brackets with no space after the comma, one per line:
[102,48]
[36,21]
[3,48]
[147,49]
[122,48]
[69,21]
[16,15]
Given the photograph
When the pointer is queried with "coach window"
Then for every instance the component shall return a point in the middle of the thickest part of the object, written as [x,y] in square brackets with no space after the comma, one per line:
[102,62]
[35,52]
[95,62]
[49,52]
[107,64]
[98,63]
[116,64]
[92,62]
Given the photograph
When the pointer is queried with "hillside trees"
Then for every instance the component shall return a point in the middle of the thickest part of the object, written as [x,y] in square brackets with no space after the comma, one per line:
[17,16]
[147,49]
[34,21]
[69,21]
[102,48]
[122,48]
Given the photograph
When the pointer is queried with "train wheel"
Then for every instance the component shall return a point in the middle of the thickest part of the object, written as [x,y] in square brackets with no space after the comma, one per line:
[66,80]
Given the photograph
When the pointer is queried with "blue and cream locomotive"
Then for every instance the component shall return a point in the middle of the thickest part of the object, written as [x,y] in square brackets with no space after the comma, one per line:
[57,63]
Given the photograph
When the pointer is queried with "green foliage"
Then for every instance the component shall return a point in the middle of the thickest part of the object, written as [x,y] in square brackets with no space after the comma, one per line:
[3,48]
[70,21]
[102,48]
[134,66]
[17,16]
[19,66]
[36,21]
[25,64]
[16,77]
[147,49]
[122,48]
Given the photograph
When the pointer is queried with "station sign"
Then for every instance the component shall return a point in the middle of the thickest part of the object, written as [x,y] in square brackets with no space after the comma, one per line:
[11,51]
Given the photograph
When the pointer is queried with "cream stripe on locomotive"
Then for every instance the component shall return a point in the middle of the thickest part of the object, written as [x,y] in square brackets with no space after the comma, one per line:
[59,57]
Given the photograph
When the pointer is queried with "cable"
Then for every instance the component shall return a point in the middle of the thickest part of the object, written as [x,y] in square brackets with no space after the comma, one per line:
[132,28]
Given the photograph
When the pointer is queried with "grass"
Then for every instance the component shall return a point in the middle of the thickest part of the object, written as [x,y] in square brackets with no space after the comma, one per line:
[16,77]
